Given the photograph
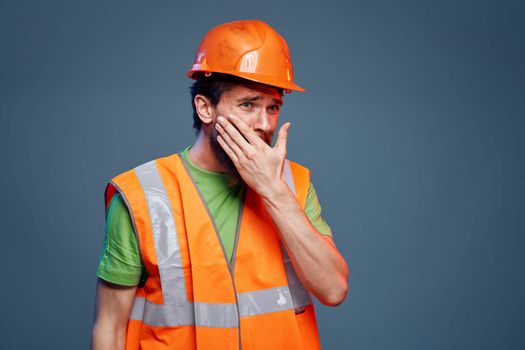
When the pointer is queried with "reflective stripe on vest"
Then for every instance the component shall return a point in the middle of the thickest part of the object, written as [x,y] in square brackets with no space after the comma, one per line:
[177,310]
[218,315]
[164,233]
[185,314]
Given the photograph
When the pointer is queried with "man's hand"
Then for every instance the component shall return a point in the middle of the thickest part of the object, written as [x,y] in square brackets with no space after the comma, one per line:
[318,263]
[260,165]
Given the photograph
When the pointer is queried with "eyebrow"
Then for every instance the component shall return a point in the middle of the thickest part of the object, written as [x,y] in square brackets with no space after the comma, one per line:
[257,97]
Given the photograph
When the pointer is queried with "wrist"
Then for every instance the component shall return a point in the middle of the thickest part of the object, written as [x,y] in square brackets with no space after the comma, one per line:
[276,193]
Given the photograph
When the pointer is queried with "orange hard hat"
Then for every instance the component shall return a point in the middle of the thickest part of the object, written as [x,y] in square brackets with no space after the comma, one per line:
[249,49]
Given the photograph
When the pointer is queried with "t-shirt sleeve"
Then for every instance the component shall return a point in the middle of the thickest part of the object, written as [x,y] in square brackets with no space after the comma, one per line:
[120,259]
[313,212]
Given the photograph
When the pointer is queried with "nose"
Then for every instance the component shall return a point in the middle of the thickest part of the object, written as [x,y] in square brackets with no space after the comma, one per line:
[263,122]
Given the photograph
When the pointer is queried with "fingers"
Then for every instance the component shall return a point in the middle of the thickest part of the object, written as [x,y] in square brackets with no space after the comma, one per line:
[239,131]
[227,149]
[245,130]
[227,141]
[280,144]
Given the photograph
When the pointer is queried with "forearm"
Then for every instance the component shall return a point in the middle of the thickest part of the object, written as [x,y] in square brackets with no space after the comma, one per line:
[316,260]
[108,338]
[112,311]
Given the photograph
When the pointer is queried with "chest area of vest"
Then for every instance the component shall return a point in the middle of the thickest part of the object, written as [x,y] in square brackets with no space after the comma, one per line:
[182,250]
[257,258]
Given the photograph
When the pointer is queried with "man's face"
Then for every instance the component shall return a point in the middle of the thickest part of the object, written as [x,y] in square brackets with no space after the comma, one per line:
[258,106]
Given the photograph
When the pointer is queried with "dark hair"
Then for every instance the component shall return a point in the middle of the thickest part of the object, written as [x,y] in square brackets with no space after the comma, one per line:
[212,87]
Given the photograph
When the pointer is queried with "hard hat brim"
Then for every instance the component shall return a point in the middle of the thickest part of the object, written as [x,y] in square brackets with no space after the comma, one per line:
[258,78]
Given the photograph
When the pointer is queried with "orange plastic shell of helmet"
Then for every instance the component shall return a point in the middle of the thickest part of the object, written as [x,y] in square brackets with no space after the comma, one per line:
[249,49]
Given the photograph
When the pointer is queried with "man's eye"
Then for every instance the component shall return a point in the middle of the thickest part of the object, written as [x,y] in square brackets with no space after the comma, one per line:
[274,109]
[247,105]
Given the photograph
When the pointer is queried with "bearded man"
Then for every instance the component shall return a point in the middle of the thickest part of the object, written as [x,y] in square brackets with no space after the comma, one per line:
[221,245]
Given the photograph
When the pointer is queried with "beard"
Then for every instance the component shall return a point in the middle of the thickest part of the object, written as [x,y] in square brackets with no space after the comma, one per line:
[225,159]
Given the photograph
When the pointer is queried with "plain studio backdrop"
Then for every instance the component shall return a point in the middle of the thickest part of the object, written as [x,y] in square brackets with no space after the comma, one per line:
[412,124]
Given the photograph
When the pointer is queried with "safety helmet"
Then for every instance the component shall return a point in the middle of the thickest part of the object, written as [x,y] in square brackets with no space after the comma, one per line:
[249,49]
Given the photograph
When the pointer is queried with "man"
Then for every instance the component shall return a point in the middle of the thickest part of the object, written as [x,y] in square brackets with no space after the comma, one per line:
[220,246]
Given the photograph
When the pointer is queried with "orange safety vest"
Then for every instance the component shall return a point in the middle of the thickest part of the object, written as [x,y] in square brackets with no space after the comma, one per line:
[194,297]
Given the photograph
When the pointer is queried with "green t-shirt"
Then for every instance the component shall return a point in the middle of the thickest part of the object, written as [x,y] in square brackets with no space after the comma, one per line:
[120,259]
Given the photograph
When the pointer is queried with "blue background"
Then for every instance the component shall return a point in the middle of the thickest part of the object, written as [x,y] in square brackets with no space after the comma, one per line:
[412,123]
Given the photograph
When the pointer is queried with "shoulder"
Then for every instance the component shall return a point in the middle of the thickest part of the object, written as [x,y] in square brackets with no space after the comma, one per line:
[134,182]
[149,167]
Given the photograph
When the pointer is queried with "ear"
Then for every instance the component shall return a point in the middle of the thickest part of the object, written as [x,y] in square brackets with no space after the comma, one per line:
[204,108]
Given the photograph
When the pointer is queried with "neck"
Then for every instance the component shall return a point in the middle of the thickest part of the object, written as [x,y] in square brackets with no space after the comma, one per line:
[202,155]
